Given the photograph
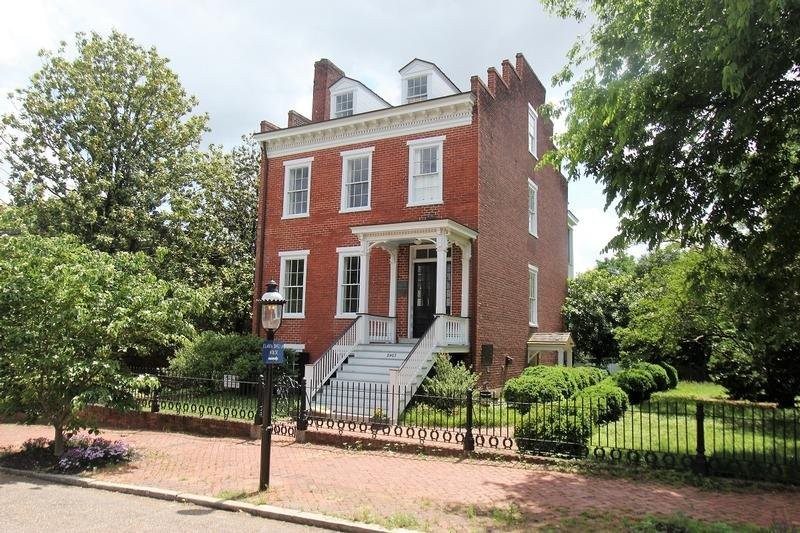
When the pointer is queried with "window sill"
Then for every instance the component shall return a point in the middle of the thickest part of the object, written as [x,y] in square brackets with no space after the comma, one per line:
[348,316]
[535,156]
[288,217]
[355,209]
[535,235]
[533,324]
[295,315]
[420,204]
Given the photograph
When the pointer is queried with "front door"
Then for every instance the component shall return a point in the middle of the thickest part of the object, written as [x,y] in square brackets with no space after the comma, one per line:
[424,297]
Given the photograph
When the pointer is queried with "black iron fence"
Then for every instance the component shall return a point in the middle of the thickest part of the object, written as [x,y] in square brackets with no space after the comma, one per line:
[720,438]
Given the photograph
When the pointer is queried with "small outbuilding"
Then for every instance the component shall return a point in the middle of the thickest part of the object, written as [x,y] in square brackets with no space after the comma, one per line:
[559,343]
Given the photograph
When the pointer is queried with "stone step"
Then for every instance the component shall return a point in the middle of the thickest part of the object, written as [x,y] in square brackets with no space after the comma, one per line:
[369,377]
[381,362]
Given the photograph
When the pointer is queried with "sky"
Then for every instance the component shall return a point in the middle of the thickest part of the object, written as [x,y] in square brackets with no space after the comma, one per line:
[247,61]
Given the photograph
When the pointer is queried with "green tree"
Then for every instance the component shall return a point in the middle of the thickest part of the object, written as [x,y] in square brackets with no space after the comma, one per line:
[101,143]
[597,303]
[68,315]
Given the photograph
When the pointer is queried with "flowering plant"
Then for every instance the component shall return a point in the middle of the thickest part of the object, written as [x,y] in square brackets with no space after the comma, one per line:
[84,452]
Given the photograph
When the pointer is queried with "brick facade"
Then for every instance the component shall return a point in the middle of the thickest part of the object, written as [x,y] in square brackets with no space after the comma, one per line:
[485,182]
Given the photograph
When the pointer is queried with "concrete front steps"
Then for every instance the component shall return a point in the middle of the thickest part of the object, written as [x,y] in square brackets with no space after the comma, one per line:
[361,385]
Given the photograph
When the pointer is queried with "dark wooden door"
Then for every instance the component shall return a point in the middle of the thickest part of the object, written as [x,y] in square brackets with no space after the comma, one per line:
[424,297]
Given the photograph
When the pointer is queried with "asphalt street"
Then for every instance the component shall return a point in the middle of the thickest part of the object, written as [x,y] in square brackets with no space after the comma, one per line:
[32,505]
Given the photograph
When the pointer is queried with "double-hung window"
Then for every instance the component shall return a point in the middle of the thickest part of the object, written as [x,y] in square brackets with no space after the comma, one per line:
[343,105]
[349,285]
[533,118]
[297,187]
[425,171]
[356,179]
[416,89]
[294,266]
[533,198]
[533,296]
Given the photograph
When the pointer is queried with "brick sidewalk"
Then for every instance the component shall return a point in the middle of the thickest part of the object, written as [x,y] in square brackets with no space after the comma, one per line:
[435,492]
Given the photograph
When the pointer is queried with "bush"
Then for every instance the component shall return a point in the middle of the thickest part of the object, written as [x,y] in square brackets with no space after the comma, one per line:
[526,390]
[735,369]
[605,401]
[449,384]
[212,355]
[672,374]
[562,429]
[637,384]
[588,375]
[659,375]
[82,452]
[562,377]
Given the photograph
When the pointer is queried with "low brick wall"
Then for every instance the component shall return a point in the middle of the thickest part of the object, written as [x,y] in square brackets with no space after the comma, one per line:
[209,427]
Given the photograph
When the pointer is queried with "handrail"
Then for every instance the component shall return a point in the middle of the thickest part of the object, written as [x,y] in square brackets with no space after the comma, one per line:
[318,372]
[402,382]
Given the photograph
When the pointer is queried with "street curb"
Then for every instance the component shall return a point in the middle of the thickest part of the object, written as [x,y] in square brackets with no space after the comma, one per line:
[264,511]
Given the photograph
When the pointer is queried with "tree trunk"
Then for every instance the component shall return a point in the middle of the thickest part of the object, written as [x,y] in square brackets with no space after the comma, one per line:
[58,446]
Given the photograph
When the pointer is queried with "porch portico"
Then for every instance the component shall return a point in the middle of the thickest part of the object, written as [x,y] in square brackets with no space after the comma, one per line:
[438,235]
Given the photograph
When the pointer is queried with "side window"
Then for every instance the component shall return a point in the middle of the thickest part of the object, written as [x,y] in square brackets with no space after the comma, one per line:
[293,282]
[356,179]
[533,119]
[425,171]
[533,200]
[297,188]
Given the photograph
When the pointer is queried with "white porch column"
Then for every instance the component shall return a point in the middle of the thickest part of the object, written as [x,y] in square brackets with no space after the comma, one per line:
[466,255]
[363,292]
[392,281]
[560,357]
[569,356]
[441,273]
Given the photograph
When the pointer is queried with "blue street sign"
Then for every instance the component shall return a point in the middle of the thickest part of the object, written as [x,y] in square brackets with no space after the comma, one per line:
[272,352]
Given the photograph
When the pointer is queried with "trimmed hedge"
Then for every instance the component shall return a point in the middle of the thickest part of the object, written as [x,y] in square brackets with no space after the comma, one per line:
[636,383]
[672,374]
[541,384]
[658,373]
[605,401]
[563,429]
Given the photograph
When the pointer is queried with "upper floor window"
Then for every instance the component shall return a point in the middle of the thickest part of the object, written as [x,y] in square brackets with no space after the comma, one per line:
[356,179]
[425,171]
[533,118]
[533,296]
[293,282]
[297,187]
[343,105]
[533,199]
[416,89]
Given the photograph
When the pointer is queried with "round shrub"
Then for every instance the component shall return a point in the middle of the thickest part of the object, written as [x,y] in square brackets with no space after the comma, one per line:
[606,401]
[637,384]
[659,375]
[561,430]
[672,374]
[526,390]
[588,375]
[559,376]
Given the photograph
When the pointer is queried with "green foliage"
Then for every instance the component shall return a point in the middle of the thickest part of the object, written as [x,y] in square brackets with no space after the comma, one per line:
[672,374]
[732,366]
[561,429]
[657,372]
[563,378]
[597,303]
[449,383]
[524,391]
[605,401]
[637,384]
[67,316]
[542,384]
[105,145]
[213,355]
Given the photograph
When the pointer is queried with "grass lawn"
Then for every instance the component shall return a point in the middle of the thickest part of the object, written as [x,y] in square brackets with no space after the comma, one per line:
[695,390]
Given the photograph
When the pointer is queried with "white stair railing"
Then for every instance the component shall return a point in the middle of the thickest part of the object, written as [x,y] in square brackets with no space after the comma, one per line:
[320,370]
[403,381]
[380,328]
[456,330]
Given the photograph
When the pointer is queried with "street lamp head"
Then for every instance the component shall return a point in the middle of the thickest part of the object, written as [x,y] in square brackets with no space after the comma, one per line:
[271,307]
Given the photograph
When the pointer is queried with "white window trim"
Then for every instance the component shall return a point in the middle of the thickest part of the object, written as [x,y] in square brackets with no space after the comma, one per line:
[533,229]
[350,154]
[287,167]
[294,254]
[345,251]
[339,93]
[424,74]
[425,143]
[535,271]
[534,150]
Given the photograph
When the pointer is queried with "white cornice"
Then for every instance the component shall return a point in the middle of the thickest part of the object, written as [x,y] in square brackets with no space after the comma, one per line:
[420,117]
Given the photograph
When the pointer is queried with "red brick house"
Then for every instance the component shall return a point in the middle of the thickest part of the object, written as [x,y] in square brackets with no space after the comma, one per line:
[399,231]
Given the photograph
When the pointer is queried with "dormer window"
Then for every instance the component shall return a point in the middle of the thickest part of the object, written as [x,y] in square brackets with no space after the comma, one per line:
[416,89]
[343,105]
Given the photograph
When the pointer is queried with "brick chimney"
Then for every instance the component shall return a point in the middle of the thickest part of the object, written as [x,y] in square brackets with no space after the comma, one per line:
[325,75]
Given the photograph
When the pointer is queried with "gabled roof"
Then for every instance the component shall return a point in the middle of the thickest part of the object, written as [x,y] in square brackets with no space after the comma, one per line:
[435,67]
[362,85]
[551,339]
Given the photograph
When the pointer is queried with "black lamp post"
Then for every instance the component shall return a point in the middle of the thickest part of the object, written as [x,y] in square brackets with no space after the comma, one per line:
[271,315]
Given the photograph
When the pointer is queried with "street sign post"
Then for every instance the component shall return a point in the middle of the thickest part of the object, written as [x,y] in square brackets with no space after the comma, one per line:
[272,352]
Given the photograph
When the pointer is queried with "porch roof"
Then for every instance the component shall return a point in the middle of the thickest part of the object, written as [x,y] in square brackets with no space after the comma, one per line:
[555,341]
[407,232]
